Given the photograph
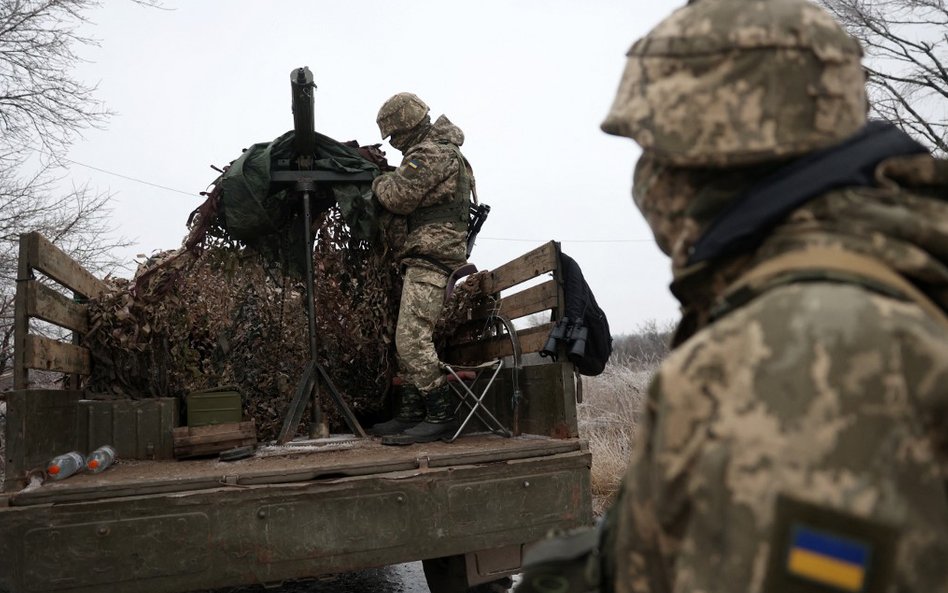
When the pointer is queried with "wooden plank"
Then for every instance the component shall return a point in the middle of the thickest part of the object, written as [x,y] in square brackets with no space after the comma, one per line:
[535,299]
[366,457]
[210,440]
[55,263]
[21,321]
[200,435]
[541,260]
[45,303]
[185,451]
[542,449]
[531,340]
[51,355]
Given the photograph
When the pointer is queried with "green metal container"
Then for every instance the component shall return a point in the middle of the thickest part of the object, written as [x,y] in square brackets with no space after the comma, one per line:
[221,405]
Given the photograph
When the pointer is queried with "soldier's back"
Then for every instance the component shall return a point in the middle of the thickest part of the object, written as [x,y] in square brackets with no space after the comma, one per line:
[825,393]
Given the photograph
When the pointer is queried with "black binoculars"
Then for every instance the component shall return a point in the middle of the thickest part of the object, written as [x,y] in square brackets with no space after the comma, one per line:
[572,332]
[578,335]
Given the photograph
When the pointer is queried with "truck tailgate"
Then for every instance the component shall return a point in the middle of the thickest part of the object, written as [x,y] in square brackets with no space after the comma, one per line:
[175,527]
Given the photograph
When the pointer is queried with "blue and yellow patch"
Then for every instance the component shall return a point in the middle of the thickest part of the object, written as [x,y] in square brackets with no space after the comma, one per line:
[828,559]
[819,549]
[413,164]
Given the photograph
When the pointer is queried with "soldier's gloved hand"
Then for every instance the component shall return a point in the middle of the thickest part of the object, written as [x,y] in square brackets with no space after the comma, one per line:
[566,564]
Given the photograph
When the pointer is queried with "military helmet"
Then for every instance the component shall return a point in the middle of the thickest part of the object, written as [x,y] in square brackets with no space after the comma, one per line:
[721,83]
[400,113]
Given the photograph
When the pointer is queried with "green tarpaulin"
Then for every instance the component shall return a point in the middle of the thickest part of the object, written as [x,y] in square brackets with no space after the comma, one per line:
[267,216]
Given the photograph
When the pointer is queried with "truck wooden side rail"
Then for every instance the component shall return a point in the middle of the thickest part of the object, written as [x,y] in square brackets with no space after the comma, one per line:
[150,523]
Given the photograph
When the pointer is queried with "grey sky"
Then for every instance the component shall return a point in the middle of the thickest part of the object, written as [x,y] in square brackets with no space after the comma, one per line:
[528,82]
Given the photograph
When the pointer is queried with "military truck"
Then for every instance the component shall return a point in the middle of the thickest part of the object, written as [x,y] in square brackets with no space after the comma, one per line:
[153,523]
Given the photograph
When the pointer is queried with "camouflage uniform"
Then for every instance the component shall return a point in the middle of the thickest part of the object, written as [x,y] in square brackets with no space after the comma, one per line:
[424,193]
[804,407]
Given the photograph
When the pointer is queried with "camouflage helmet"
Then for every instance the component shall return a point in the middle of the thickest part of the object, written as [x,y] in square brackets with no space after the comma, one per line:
[721,83]
[400,113]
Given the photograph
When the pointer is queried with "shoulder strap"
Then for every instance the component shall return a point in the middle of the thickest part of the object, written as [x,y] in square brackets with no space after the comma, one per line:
[827,263]
[454,210]
[747,219]
[466,182]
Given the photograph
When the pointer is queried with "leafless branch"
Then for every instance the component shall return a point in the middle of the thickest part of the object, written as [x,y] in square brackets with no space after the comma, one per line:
[45,107]
[907,60]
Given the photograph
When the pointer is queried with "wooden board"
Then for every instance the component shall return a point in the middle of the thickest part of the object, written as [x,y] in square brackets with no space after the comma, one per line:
[531,340]
[364,458]
[45,303]
[535,299]
[55,263]
[51,355]
[21,321]
[208,440]
[541,260]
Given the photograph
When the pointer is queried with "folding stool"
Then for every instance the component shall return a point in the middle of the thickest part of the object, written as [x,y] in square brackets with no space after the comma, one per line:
[463,378]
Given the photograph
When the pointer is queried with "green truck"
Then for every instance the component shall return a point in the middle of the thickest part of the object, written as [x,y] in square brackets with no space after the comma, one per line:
[152,523]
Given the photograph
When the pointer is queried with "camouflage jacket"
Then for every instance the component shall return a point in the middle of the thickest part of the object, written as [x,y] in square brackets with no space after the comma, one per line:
[829,393]
[427,176]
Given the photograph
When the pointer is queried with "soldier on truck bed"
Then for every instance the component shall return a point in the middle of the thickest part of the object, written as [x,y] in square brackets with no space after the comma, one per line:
[796,438]
[431,190]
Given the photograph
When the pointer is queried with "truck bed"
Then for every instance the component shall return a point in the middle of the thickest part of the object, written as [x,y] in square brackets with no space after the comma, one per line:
[299,461]
[173,526]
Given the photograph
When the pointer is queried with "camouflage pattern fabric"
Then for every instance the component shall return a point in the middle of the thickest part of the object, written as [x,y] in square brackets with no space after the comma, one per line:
[439,405]
[722,83]
[822,389]
[827,391]
[422,300]
[401,112]
[427,176]
[409,403]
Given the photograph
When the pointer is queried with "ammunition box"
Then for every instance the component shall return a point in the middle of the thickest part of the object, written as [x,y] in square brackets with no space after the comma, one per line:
[138,429]
[220,406]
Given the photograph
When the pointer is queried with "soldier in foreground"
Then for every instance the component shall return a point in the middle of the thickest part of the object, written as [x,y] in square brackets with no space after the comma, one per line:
[430,194]
[796,439]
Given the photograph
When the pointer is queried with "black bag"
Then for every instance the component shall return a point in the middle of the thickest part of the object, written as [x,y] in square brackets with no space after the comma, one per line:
[584,328]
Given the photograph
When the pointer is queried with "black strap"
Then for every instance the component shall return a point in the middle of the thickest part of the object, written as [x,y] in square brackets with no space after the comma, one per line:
[851,163]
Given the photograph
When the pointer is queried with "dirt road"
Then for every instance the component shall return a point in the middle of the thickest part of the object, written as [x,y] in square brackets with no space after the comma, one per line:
[401,578]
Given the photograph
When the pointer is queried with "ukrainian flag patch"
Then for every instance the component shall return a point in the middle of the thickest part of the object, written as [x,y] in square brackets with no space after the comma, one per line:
[413,164]
[828,559]
[818,549]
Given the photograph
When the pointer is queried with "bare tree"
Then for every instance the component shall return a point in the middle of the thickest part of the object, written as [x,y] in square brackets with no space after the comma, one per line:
[43,108]
[906,43]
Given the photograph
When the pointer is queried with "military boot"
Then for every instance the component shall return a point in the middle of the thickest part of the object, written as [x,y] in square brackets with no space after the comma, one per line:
[439,422]
[410,410]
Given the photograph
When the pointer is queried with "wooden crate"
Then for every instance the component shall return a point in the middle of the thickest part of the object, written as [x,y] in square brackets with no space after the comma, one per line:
[200,441]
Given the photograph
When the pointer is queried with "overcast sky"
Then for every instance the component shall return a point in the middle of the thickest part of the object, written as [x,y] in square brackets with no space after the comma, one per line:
[528,81]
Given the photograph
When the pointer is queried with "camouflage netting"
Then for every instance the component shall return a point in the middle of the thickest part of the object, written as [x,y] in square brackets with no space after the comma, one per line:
[455,324]
[220,314]
[215,312]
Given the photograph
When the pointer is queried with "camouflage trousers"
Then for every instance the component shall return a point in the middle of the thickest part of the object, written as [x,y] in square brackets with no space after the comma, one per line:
[422,300]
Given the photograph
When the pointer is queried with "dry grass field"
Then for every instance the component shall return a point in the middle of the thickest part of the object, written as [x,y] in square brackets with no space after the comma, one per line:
[612,401]
[607,419]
